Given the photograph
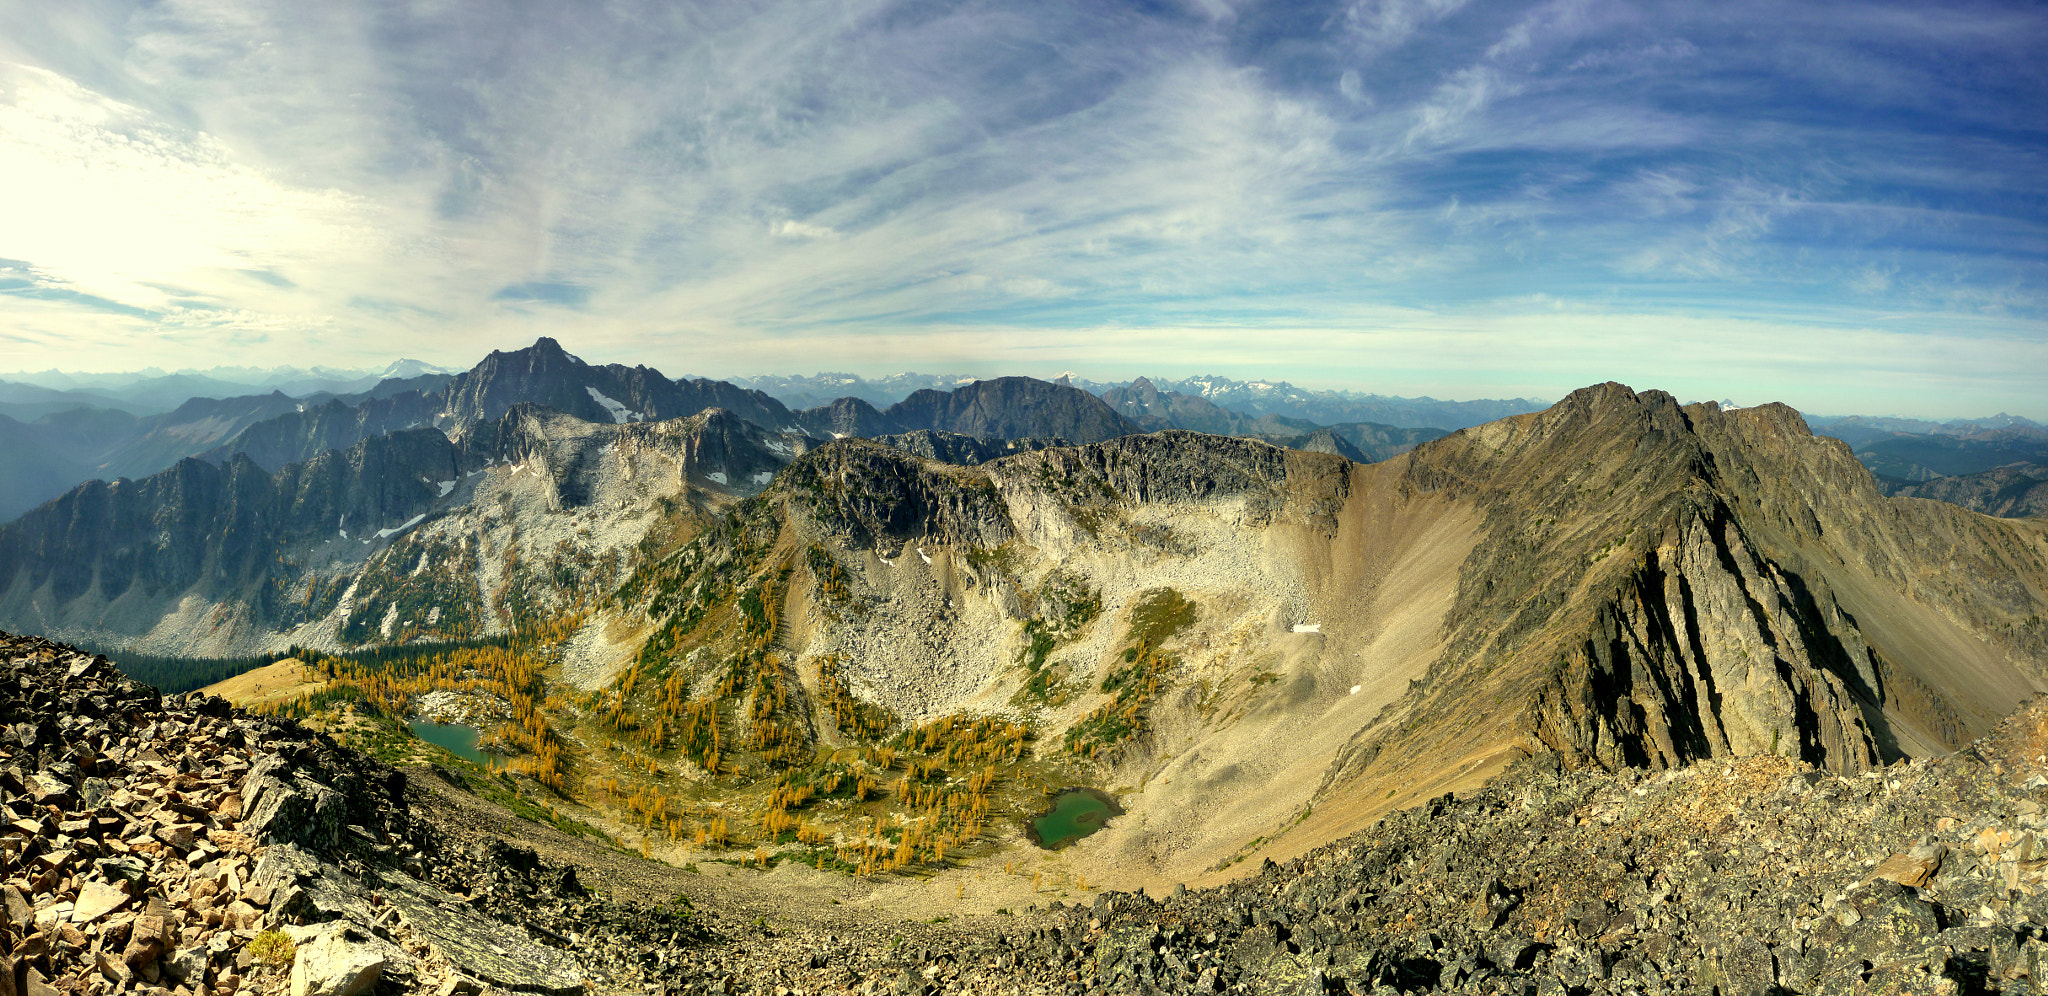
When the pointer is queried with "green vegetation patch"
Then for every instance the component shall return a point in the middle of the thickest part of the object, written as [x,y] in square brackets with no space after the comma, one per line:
[1156,616]
[1065,605]
[1159,615]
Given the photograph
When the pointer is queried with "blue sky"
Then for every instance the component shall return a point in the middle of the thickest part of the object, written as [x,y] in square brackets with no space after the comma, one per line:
[1842,206]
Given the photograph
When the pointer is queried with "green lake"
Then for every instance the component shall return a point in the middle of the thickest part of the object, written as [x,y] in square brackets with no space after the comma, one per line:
[460,740]
[1075,814]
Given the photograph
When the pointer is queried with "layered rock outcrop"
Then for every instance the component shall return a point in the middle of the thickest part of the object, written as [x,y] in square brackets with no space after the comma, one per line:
[1663,583]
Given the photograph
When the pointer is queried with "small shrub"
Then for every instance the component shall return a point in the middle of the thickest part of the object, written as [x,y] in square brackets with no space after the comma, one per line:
[273,948]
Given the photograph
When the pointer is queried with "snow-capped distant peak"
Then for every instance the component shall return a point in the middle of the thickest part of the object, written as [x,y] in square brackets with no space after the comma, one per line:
[400,369]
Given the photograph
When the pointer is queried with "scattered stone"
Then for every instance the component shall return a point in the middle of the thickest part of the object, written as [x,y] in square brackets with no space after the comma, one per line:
[98,899]
[1914,868]
[188,829]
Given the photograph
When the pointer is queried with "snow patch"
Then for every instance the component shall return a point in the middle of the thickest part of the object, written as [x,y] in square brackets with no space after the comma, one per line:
[1308,627]
[764,477]
[620,413]
[408,524]
[718,475]
[922,556]
[446,486]
[1355,688]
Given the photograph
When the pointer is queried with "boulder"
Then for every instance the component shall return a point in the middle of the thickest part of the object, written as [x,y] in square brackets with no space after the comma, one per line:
[339,961]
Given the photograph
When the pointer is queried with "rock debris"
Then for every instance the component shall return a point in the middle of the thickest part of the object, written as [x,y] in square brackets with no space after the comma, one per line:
[173,846]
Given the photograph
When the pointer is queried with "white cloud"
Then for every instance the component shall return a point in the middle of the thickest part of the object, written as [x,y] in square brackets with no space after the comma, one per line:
[1379,25]
[1462,96]
[790,229]
[108,202]
[391,178]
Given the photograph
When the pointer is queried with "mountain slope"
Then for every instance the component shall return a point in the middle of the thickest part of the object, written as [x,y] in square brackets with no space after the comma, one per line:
[342,549]
[35,470]
[1253,639]
[541,374]
[1680,583]
[63,448]
[301,435]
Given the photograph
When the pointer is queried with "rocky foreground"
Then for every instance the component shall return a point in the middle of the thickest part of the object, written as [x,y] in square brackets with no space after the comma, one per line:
[176,846]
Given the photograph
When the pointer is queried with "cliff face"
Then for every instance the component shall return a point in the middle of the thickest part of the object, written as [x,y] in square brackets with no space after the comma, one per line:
[1663,584]
[1711,651]
[211,528]
[275,552]
[298,436]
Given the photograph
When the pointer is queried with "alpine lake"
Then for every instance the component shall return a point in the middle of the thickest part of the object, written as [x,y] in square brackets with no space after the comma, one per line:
[1075,813]
[458,739]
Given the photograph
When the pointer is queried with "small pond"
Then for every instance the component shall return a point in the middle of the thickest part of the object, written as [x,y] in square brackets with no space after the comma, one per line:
[1075,813]
[460,740]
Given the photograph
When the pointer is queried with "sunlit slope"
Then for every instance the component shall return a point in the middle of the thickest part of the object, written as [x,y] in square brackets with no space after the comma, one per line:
[1263,648]
[1661,583]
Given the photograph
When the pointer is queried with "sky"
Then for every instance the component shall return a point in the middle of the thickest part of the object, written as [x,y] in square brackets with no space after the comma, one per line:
[1843,206]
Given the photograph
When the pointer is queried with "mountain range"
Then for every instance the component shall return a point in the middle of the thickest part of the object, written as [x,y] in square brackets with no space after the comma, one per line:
[1260,648]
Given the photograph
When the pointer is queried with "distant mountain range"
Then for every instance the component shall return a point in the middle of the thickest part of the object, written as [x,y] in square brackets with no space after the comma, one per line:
[1857,430]
[1995,465]
[1153,409]
[1253,398]
[66,428]
[153,390]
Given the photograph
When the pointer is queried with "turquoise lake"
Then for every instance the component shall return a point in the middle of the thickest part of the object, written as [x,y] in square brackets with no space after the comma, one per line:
[460,740]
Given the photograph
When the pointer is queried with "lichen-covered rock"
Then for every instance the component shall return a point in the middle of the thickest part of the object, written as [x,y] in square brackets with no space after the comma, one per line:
[339,961]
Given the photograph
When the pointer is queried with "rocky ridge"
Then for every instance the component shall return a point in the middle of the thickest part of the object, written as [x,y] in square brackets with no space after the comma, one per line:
[151,841]
[275,552]
[1684,582]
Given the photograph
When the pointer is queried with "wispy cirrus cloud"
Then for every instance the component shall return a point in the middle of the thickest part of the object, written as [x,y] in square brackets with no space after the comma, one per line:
[877,181]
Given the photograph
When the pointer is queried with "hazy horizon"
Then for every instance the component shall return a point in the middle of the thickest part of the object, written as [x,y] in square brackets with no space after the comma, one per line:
[1083,375]
[1837,205]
